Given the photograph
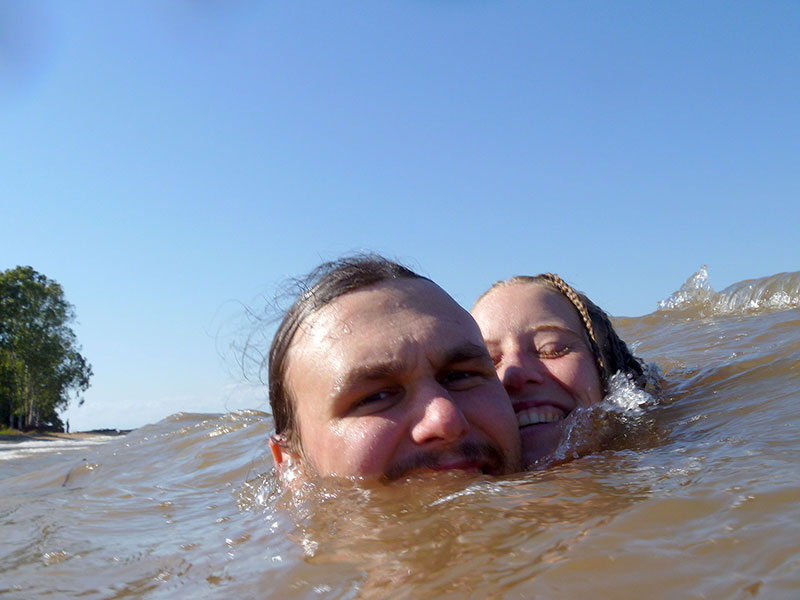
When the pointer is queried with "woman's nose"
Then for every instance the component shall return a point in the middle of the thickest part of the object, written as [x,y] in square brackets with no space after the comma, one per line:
[519,369]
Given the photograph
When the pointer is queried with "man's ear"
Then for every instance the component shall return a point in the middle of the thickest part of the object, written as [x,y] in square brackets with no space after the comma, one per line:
[283,456]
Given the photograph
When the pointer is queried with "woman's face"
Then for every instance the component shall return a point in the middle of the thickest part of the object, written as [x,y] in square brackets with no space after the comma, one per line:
[541,351]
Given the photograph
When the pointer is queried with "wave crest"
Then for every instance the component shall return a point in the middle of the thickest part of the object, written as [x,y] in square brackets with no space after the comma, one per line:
[776,292]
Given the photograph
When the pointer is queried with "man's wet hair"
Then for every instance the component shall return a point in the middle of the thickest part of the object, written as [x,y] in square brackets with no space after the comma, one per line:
[322,286]
[611,353]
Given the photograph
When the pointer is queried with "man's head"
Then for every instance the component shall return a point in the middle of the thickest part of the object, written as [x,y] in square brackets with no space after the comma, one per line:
[375,371]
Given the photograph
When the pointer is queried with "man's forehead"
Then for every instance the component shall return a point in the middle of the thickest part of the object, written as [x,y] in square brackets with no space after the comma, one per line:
[387,303]
[387,319]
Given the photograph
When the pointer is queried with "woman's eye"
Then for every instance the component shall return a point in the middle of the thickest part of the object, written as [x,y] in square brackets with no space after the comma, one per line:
[552,344]
[552,350]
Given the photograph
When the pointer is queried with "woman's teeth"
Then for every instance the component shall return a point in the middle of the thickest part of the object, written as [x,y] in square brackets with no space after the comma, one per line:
[542,414]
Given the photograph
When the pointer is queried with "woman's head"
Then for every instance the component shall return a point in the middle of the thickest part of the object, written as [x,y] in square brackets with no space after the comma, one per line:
[554,351]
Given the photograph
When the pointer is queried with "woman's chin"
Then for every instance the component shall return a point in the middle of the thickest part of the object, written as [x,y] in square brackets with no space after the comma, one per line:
[539,441]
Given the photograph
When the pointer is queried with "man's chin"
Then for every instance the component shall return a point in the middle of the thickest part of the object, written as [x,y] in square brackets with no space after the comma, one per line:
[443,471]
[468,469]
[438,475]
[539,441]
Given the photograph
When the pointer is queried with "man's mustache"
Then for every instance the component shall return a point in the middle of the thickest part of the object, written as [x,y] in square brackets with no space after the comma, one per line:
[488,456]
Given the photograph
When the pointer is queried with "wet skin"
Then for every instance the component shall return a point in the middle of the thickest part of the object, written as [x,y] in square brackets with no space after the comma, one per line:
[393,379]
[541,351]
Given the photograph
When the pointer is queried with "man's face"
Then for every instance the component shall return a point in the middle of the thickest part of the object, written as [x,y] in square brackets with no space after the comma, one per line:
[395,378]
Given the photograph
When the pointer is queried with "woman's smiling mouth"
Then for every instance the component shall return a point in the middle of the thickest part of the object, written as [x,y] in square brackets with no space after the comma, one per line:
[540,414]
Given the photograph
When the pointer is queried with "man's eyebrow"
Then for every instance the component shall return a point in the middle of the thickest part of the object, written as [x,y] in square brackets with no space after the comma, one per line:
[465,352]
[390,369]
[367,373]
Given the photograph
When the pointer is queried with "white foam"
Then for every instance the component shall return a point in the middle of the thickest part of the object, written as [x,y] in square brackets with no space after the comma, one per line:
[626,397]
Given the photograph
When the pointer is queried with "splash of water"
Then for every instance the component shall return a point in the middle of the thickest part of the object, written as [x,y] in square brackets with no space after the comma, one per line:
[594,428]
[695,291]
[625,397]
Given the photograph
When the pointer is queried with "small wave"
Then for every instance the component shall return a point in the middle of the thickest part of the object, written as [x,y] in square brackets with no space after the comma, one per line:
[11,451]
[776,292]
[695,291]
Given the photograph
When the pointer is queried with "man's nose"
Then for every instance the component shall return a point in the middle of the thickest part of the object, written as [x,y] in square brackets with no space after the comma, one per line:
[519,369]
[441,420]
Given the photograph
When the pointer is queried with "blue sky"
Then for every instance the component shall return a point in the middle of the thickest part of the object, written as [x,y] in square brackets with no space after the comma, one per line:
[167,162]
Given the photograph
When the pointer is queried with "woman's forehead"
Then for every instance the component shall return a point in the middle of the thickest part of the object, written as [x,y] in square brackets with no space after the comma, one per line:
[525,304]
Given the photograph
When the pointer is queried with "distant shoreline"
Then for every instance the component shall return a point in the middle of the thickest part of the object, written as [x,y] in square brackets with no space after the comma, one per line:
[43,436]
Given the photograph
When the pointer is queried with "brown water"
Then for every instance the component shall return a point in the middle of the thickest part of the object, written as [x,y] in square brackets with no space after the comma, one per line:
[700,499]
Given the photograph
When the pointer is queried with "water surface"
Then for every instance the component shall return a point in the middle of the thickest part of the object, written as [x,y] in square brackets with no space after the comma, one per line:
[698,500]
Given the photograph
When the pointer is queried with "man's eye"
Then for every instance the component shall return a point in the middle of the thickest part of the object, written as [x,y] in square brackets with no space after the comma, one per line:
[461,380]
[374,403]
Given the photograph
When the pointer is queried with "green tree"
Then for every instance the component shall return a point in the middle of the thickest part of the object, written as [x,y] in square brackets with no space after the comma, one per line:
[41,366]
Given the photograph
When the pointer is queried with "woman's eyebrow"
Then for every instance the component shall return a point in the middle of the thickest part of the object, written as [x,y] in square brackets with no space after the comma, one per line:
[552,327]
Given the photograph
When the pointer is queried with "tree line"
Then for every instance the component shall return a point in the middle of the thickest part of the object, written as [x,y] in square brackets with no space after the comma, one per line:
[41,366]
